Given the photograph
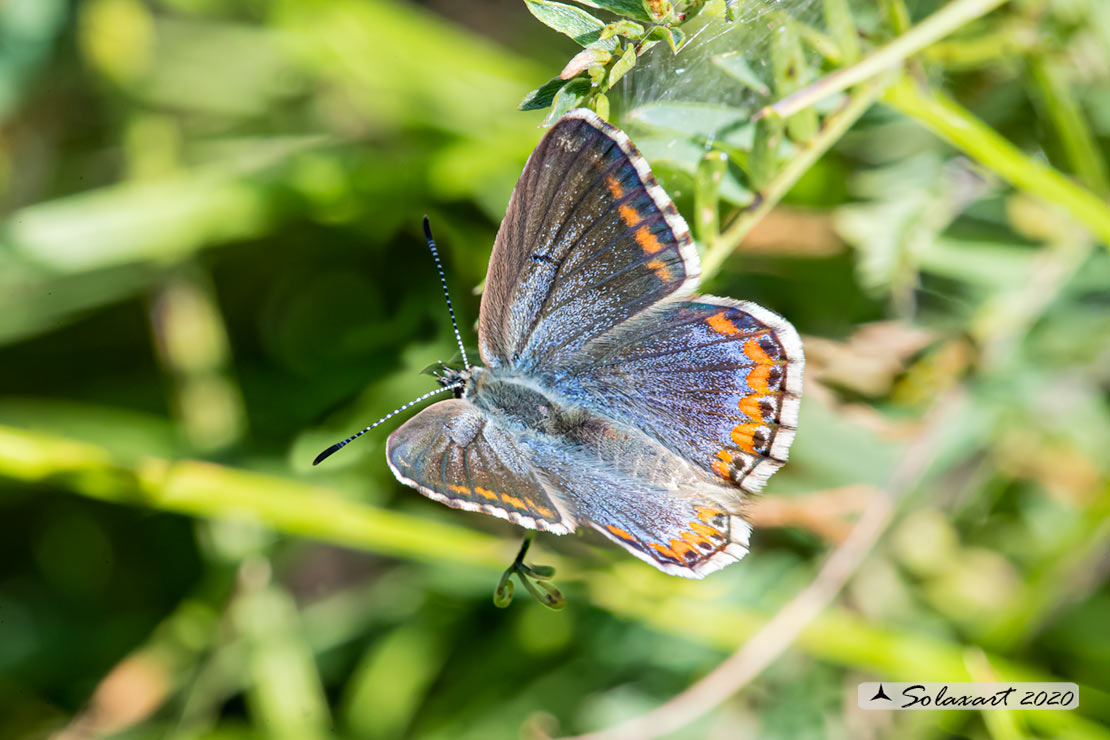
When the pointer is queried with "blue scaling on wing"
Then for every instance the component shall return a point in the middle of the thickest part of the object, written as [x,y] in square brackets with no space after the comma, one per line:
[637,493]
[589,239]
[716,381]
[458,455]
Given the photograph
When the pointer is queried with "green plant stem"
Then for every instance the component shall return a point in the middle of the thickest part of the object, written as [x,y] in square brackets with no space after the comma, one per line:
[838,18]
[955,124]
[935,27]
[896,15]
[833,127]
[840,638]
[1053,581]
[626,590]
[1010,40]
[214,491]
[1063,110]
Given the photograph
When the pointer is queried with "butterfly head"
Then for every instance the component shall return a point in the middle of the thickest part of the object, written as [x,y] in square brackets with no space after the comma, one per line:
[450,377]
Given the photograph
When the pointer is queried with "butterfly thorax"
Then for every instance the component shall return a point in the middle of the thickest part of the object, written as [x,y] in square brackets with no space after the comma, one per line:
[515,401]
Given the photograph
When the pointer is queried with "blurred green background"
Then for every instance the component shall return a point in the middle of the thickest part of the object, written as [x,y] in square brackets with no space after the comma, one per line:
[211,268]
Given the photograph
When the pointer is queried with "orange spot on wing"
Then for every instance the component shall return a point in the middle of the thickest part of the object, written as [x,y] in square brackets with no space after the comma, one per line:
[718,323]
[744,436]
[513,501]
[721,468]
[706,531]
[629,215]
[681,548]
[614,186]
[620,533]
[707,514]
[758,379]
[647,240]
[485,493]
[463,490]
[750,407]
[543,511]
[661,270]
[756,354]
[697,539]
[664,550]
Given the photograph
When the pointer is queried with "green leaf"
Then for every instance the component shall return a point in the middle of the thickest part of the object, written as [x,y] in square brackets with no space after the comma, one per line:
[571,21]
[682,156]
[735,66]
[708,120]
[601,106]
[659,10]
[838,19]
[625,8]
[545,593]
[540,572]
[570,97]
[984,263]
[621,67]
[673,36]
[503,595]
[542,96]
[644,45]
[627,29]
[677,39]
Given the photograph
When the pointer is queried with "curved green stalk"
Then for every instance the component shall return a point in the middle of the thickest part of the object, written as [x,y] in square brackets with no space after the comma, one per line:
[955,124]
[932,29]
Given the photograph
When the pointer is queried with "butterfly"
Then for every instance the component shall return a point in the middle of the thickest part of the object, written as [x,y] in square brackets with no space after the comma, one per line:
[611,397]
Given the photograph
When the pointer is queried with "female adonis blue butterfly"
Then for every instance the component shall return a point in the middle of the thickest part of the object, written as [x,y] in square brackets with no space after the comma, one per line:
[611,398]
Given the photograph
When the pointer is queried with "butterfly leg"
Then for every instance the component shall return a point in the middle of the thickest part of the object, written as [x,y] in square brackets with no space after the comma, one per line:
[532,577]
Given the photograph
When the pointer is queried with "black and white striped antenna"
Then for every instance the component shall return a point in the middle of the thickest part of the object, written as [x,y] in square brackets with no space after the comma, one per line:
[340,445]
[450,387]
[446,295]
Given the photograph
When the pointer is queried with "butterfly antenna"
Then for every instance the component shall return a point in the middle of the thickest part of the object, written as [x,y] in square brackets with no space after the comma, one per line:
[340,445]
[446,295]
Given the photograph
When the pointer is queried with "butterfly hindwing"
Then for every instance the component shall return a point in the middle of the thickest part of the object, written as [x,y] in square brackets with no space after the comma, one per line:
[589,240]
[717,381]
[684,538]
[456,454]
[634,491]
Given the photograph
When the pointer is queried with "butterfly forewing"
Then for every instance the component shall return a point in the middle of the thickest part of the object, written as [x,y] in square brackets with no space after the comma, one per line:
[588,241]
